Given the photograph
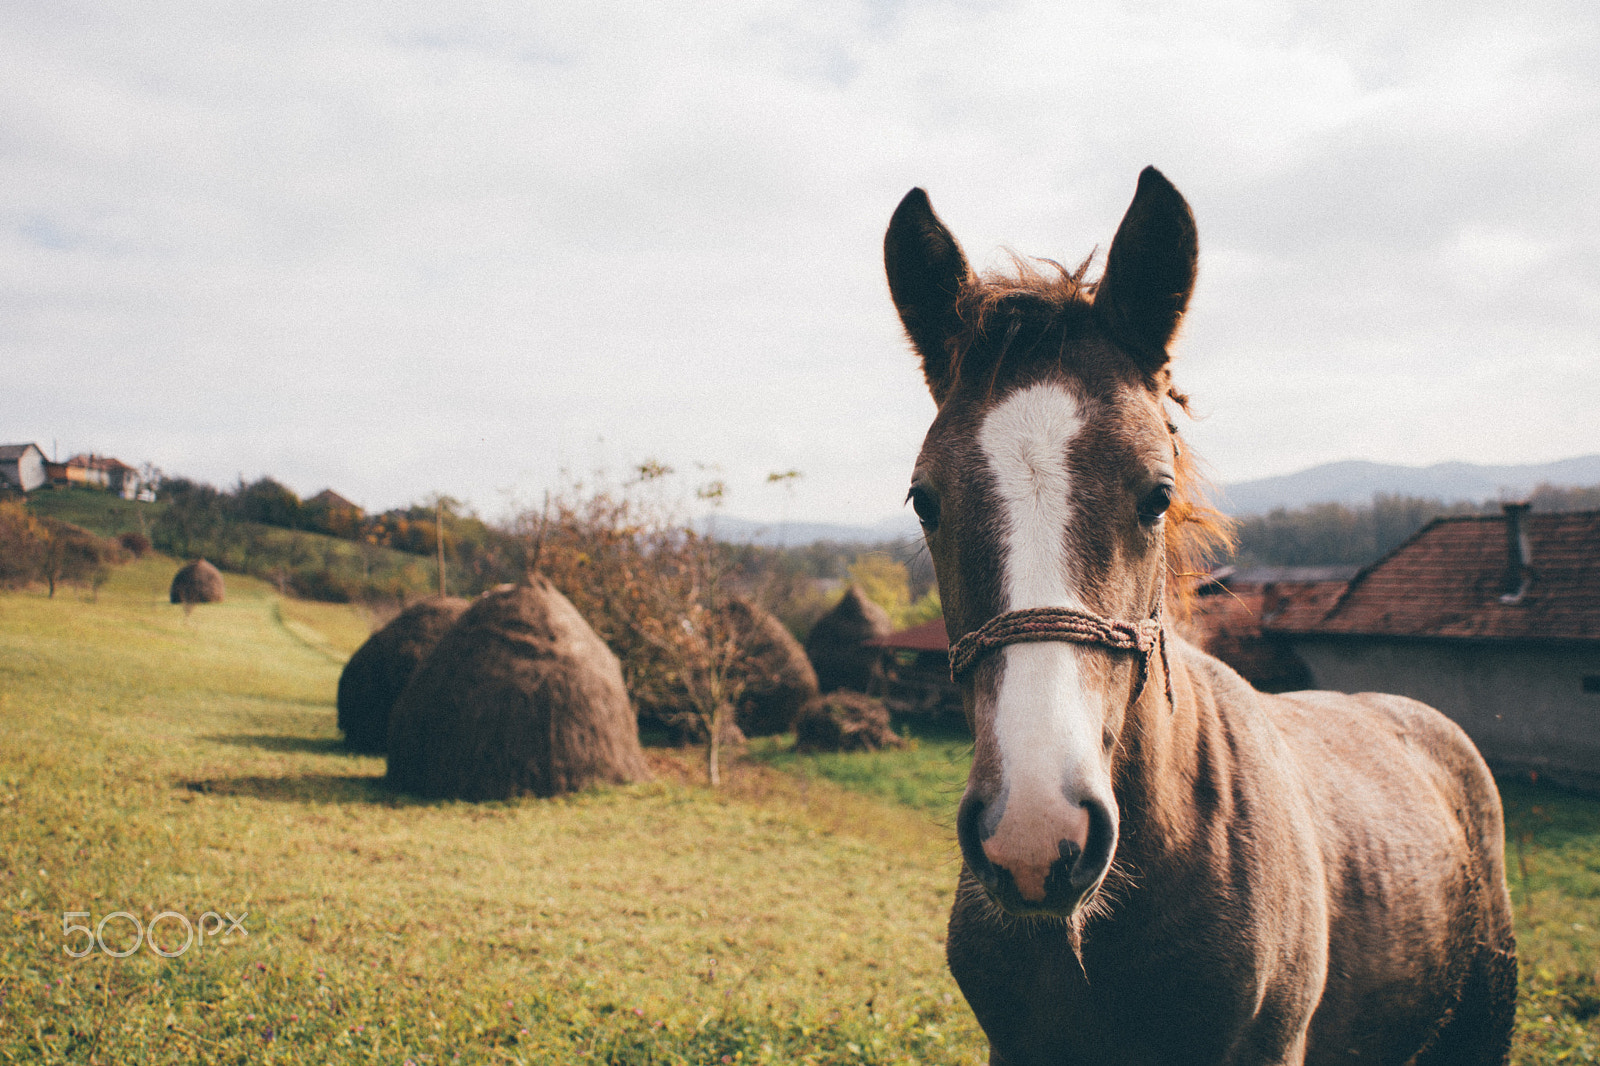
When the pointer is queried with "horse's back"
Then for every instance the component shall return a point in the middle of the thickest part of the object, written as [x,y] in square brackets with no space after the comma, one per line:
[1413,849]
[1392,745]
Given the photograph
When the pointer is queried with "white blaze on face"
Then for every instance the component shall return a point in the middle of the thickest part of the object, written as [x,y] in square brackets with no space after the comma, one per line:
[1047,736]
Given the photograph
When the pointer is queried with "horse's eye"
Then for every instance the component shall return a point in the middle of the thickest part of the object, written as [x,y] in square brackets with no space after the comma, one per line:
[926,504]
[1155,503]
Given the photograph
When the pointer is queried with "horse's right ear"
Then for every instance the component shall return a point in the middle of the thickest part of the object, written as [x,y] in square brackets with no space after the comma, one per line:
[926,273]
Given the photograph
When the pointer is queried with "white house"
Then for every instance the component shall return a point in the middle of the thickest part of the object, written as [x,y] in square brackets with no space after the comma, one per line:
[22,466]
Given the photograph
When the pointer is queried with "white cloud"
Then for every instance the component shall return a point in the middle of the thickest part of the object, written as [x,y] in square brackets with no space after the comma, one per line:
[400,248]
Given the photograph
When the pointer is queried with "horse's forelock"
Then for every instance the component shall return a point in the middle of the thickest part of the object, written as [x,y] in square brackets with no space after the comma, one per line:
[994,306]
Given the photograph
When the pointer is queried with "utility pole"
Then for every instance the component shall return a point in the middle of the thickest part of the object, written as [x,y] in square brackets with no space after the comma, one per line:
[438,535]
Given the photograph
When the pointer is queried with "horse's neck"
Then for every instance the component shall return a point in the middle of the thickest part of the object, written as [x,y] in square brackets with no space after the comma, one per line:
[1176,775]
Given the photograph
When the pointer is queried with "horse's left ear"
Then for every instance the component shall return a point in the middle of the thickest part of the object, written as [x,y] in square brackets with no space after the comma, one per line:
[1149,272]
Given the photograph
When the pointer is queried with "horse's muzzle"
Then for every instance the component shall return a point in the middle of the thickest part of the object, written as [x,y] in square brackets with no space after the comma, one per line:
[1033,874]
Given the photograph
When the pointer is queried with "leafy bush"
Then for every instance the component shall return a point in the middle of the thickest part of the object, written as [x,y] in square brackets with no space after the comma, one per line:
[324,585]
[23,539]
[51,551]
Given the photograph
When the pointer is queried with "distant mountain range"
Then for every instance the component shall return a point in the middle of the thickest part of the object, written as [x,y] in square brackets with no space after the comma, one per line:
[796,534]
[1356,482]
[1351,482]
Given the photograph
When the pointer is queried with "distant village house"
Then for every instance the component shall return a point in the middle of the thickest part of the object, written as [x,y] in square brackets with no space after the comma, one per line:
[1232,609]
[22,466]
[98,472]
[915,676]
[1494,620]
[332,501]
[330,512]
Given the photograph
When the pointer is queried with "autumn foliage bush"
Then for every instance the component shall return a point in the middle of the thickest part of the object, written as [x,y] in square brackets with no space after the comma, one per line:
[48,551]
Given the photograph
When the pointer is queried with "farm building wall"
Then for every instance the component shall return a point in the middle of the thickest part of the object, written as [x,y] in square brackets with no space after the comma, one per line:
[25,470]
[1527,707]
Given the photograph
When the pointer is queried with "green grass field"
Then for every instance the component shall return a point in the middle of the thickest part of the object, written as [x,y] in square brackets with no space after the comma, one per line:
[153,761]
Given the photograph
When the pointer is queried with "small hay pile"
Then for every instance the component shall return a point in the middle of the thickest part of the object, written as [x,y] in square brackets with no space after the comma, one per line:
[520,697]
[778,678]
[135,543]
[377,673]
[198,582]
[844,721]
[837,644]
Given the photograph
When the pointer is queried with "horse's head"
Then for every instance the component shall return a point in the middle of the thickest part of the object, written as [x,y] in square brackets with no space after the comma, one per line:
[1046,481]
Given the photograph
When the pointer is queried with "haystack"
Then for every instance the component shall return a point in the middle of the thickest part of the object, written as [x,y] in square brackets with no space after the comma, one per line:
[778,678]
[844,721]
[198,582]
[377,673]
[519,697]
[837,644]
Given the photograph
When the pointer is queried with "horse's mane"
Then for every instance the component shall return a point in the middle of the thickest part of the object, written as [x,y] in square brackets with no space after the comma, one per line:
[1197,533]
[1041,293]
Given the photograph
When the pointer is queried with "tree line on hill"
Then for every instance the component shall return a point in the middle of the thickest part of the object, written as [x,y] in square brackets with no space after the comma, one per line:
[1336,534]
[330,553]
[341,555]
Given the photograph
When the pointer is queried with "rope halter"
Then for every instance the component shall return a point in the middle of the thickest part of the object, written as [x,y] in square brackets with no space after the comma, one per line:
[1069,625]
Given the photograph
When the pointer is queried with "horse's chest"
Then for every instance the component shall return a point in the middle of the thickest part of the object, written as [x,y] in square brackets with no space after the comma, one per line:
[1189,996]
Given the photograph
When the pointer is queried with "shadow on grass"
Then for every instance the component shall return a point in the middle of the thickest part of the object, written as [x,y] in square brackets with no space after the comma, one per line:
[279,743]
[305,788]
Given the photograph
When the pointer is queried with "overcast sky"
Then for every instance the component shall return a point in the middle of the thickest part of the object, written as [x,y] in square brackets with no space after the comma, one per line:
[399,248]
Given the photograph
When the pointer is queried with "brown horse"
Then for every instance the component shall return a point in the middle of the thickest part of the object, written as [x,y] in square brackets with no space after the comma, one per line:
[1160,864]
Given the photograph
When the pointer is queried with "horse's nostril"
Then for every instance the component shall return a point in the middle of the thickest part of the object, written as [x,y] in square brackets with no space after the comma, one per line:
[975,823]
[1099,841]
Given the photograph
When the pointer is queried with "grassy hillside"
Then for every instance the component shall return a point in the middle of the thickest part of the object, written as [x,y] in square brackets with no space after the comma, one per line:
[153,761]
[98,512]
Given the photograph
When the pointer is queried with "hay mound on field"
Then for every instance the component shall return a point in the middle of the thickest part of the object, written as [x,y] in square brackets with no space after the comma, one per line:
[778,678]
[837,643]
[377,673]
[519,697]
[844,721]
[199,582]
[135,543]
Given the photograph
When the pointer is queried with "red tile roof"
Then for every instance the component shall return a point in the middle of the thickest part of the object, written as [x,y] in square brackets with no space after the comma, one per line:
[1228,621]
[90,461]
[929,636]
[333,501]
[1294,604]
[1448,581]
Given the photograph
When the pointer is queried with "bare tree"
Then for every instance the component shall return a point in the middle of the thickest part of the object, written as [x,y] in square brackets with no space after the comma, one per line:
[653,588]
[698,641]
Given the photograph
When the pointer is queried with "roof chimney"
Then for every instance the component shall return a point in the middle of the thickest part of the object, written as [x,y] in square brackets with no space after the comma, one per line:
[1518,553]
